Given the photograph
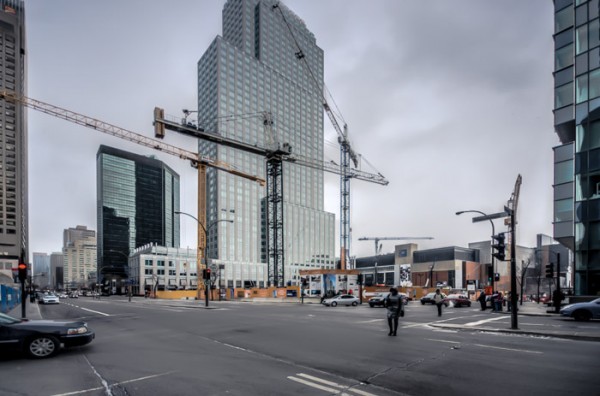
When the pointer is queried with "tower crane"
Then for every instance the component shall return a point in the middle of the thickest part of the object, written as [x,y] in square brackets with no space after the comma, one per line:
[377,239]
[197,160]
[347,153]
[275,155]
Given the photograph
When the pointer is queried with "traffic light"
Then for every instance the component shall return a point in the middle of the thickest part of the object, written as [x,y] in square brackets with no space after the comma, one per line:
[499,247]
[360,279]
[22,272]
[304,282]
[550,270]
[490,273]
[206,274]
[496,277]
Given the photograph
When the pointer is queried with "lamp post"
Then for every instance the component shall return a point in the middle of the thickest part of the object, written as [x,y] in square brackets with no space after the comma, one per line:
[205,230]
[128,272]
[491,243]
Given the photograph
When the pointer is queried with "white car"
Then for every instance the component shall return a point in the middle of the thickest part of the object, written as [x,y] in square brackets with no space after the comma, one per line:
[582,311]
[49,299]
[342,299]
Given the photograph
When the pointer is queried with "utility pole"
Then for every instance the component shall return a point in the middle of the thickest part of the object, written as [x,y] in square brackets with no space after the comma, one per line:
[557,299]
[513,270]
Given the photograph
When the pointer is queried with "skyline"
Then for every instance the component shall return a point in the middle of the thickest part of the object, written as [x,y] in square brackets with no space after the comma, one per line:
[491,92]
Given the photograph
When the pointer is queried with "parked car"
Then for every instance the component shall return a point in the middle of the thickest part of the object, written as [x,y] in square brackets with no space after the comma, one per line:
[342,299]
[457,300]
[42,338]
[428,299]
[73,295]
[582,311]
[379,299]
[49,299]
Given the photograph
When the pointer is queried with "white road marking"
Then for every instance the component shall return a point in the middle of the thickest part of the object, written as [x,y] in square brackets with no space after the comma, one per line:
[107,389]
[486,321]
[91,310]
[371,321]
[331,386]
[450,342]
[508,349]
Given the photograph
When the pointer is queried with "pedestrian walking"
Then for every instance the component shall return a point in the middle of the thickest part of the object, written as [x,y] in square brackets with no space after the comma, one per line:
[438,299]
[498,302]
[393,303]
[481,300]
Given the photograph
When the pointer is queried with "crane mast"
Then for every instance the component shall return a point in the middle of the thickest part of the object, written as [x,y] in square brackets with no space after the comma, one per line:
[347,154]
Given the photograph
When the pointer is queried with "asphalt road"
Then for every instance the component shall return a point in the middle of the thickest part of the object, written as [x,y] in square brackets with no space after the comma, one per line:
[151,347]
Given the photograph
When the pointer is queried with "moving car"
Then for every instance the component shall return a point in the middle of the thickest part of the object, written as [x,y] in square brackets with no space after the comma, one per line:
[342,299]
[42,338]
[457,300]
[582,311]
[379,299]
[428,299]
[49,299]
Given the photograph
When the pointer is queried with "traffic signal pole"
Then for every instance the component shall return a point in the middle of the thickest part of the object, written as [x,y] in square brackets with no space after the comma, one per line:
[513,271]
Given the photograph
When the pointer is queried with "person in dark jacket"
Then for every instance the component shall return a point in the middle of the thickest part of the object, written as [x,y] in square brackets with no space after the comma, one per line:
[393,303]
[481,300]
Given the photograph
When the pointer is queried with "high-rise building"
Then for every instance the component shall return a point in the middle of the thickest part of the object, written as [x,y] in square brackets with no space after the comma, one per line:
[79,252]
[137,200]
[56,270]
[13,135]
[40,271]
[577,124]
[250,70]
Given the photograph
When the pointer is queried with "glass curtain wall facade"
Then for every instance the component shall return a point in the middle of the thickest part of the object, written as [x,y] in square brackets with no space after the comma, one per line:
[13,133]
[250,70]
[577,123]
[137,200]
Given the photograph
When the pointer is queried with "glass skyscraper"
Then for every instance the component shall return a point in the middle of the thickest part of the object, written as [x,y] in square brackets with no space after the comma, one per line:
[577,124]
[13,136]
[250,70]
[137,200]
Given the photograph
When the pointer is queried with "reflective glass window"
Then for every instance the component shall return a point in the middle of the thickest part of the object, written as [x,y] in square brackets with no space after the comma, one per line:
[581,88]
[581,15]
[563,172]
[563,96]
[594,33]
[594,84]
[563,57]
[581,39]
[563,76]
[593,9]
[564,38]
[563,210]
[563,19]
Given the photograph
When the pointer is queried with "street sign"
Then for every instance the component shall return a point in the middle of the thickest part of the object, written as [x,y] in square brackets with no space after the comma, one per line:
[490,217]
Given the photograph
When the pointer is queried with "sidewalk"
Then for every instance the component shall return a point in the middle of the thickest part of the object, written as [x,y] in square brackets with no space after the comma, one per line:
[32,311]
[570,331]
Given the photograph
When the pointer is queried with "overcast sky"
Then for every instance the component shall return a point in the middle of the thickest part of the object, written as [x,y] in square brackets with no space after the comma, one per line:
[449,100]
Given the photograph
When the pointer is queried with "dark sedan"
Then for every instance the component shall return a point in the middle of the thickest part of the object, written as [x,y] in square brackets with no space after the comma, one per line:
[42,338]
[457,300]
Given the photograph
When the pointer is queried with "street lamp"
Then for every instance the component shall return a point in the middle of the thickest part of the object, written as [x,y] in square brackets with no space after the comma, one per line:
[491,243]
[205,229]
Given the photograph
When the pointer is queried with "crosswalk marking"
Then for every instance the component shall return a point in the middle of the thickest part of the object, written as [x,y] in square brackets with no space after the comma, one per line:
[328,386]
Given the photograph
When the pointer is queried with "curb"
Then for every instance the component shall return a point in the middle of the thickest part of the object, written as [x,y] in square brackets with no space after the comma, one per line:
[579,337]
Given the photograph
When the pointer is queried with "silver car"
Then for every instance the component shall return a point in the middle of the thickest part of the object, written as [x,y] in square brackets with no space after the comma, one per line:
[49,299]
[342,299]
[582,311]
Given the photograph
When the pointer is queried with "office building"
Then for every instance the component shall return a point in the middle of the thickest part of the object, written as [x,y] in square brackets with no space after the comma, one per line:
[250,70]
[577,124]
[14,239]
[137,200]
[56,270]
[40,270]
[79,252]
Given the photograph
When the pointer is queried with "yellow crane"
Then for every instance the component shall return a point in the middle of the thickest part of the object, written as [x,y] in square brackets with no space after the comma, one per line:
[197,160]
